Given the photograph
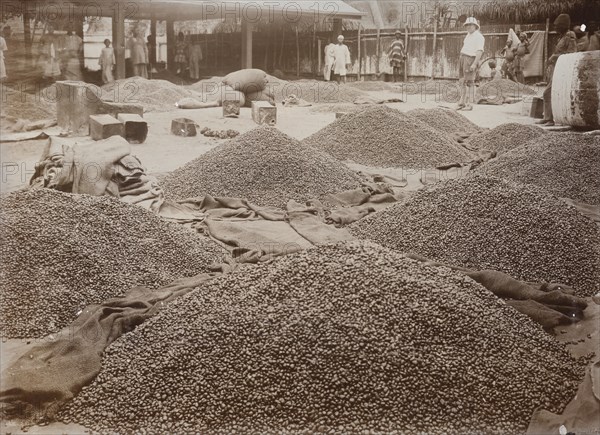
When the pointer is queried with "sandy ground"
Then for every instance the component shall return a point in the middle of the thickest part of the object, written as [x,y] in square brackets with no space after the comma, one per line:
[163,152]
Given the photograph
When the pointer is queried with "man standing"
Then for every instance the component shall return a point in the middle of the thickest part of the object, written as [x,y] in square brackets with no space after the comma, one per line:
[470,55]
[139,53]
[397,55]
[566,44]
[342,60]
[329,59]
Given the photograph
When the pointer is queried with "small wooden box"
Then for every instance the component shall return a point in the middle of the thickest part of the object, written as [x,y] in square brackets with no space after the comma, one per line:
[134,127]
[537,108]
[264,113]
[183,127]
[104,126]
[231,108]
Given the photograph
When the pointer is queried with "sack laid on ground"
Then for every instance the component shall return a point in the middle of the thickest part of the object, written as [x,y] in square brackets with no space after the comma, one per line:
[264,95]
[52,372]
[190,103]
[247,80]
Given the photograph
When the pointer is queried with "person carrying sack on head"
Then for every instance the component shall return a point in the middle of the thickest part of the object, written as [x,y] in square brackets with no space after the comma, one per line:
[566,44]
[468,64]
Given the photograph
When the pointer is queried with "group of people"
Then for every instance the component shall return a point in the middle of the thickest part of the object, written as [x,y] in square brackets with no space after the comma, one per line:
[60,56]
[338,60]
[514,58]
[188,55]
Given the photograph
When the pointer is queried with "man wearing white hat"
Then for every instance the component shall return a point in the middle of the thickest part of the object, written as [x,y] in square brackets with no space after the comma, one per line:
[470,55]
[342,60]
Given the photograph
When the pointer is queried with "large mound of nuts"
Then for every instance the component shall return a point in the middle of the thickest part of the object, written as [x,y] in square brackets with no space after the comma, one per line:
[565,164]
[489,223]
[505,137]
[336,339]
[264,166]
[381,136]
[62,252]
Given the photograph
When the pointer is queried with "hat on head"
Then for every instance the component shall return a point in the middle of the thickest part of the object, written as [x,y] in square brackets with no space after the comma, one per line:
[563,20]
[340,37]
[398,32]
[472,20]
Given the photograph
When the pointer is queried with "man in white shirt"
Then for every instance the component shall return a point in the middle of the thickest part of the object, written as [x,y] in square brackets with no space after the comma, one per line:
[342,60]
[470,55]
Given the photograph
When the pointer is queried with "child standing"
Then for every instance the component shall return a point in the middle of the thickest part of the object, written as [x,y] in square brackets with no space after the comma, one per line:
[107,61]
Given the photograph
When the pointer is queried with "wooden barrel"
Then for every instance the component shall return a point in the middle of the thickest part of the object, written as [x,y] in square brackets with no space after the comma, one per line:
[576,90]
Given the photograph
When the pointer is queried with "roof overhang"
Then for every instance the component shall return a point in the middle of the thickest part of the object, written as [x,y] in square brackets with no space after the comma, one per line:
[180,10]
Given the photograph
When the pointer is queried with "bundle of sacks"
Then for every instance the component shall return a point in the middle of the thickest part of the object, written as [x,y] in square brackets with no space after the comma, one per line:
[252,83]
[245,86]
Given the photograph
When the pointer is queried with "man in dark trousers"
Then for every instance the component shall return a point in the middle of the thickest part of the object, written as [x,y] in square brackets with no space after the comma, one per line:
[566,44]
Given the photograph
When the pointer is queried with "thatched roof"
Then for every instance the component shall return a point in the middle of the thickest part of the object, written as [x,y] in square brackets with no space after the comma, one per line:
[536,11]
[420,13]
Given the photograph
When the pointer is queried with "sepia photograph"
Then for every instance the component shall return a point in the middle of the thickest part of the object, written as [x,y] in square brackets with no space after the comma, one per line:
[298,217]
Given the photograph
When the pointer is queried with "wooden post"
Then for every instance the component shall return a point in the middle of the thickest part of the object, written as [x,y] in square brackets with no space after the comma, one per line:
[246,44]
[118,34]
[359,53]
[27,31]
[545,56]
[406,51]
[280,64]
[297,53]
[171,45]
[377,69]
[267,46]
[434,42]
[312,47]
[152,57]
[319,56]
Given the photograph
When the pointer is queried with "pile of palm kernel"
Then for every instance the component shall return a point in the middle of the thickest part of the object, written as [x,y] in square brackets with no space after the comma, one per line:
[565,164]
[381,136]
[334,339]
[264,166]
[489,223]
[62,252]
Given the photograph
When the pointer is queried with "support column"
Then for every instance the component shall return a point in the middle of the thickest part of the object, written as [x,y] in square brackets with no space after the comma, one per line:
[118,33]
[152,46]
[246,44]
[171,45]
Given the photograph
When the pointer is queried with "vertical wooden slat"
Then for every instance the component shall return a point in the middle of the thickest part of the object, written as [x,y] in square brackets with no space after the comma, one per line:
[545,55]
[359,53]
[377,68]
[297,53]
[406,51]
[433,57]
